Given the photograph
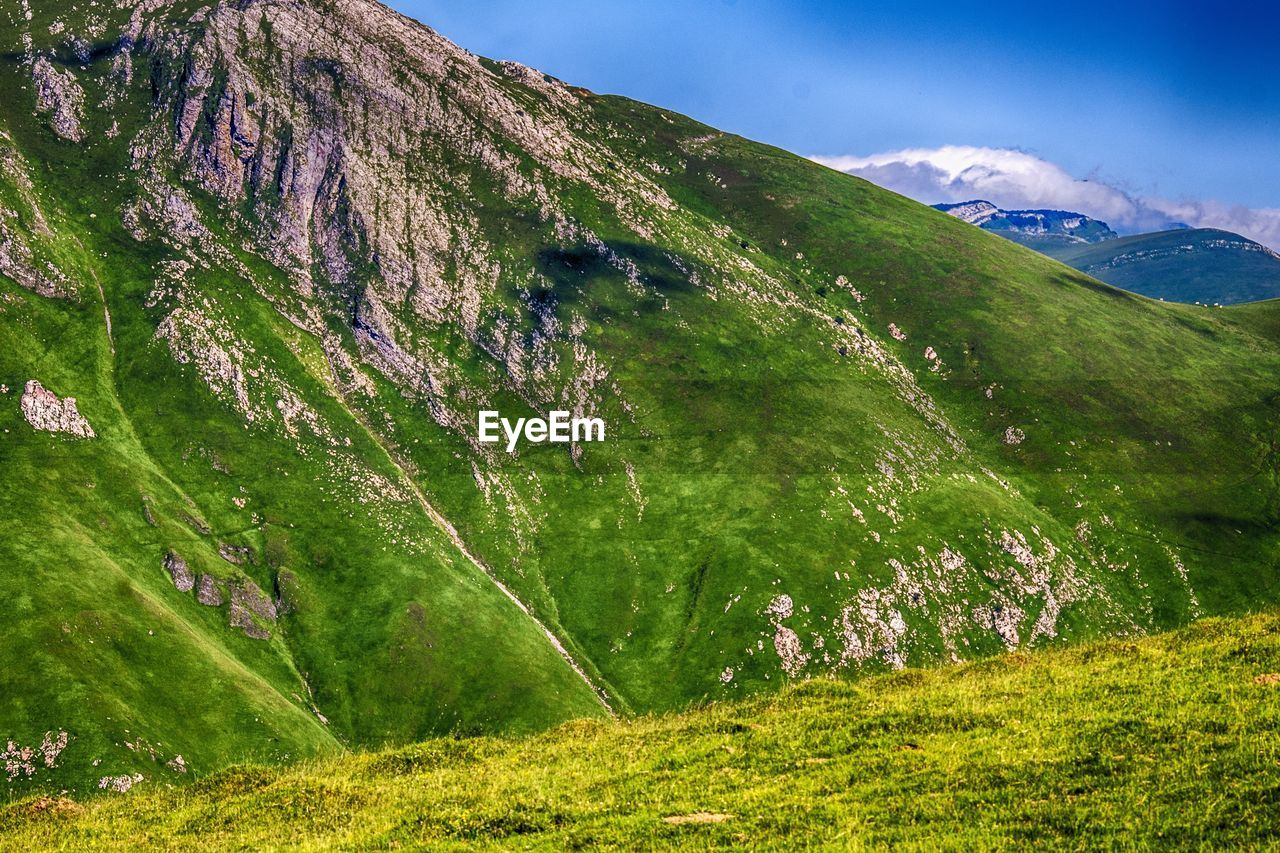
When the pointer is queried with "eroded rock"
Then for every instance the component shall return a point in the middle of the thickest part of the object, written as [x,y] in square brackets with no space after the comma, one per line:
[250,596]
[22,761]
[119,784]
[241,618]
[247,601]
[45,411]
[179,572]
[58,94]
[208,592]
[235,554]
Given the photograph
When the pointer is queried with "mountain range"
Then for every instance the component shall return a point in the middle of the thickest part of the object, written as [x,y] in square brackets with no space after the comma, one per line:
[1037,229]
[1204,265]
[263,263]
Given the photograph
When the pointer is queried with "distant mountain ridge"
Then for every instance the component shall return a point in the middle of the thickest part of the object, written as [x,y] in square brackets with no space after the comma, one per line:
[1204,265]
[1032,228]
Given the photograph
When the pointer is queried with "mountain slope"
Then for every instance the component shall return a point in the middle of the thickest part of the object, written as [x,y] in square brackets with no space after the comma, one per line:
[1102,746]
[1045,231]
[1189,265]
[282,254]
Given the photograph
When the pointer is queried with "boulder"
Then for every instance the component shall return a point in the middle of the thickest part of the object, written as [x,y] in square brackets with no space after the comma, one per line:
[208,592]
[178,570]
[45,411]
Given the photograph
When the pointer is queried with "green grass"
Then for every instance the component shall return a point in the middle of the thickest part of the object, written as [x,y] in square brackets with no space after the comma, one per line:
[1164,742]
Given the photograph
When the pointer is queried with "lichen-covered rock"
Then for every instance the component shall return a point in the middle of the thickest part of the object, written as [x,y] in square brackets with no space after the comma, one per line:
[249,601]
[179,572]
[250,596]
[208,592]
[240,617]
[58,95]
[45,411]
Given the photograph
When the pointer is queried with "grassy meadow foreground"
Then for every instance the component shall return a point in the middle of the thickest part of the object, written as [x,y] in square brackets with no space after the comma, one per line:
[1169,740]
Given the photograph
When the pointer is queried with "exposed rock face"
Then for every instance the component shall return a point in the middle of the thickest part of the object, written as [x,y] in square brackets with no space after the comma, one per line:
[250,596]
[59,95]
[239,617]
[369,160]
[120,784]
[24,231]
[247,601]
[208,592]
[235,554]
[178,570]
[45,411]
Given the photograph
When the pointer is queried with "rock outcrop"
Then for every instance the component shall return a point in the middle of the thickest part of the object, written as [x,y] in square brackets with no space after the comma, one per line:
[179,572]
[235,554]
[58,94]
[208,592]
[247,601]
[24,231]
[45,411]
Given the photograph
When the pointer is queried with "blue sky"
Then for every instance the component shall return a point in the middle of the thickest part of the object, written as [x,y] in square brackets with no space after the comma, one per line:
[1176,101]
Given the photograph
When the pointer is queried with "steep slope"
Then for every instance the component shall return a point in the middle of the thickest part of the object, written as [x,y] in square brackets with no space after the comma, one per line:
[1189,265]
[282,253]
[1045,231]
[1103,746]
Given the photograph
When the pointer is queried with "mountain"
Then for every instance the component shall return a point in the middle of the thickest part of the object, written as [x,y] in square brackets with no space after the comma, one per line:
[1054,749]
[1203,265]
[1042,230]
[262,265]
[1194,265]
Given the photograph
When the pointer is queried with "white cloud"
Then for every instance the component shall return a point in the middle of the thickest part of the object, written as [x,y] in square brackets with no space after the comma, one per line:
[1015,180]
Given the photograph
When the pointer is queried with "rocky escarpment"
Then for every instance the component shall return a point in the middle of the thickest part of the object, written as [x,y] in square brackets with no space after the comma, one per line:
[1062,225]
[382,166]
[45,411]
[25,233]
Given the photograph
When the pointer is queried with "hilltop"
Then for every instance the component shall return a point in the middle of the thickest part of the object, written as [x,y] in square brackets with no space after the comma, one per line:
[1204,265]
[261,266]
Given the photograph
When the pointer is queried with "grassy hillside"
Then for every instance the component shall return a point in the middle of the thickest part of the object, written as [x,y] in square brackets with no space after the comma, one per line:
[282,253]
[1190,265]
[1165,741]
